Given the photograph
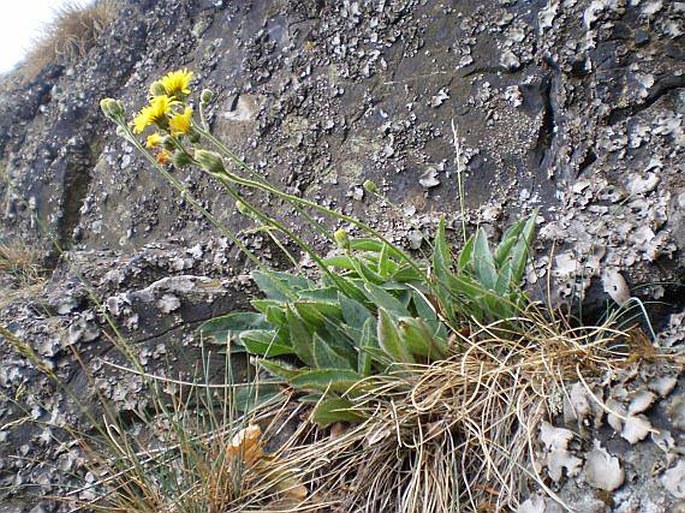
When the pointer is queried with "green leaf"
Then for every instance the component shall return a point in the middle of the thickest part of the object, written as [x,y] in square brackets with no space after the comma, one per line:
[274,311]
[237,321]
[325,294]
[354,313]
[423,308]
[264,343]
[465,255]
[325,357]
[418,338]
[509,238]
[280,369]
[334,380]
[389,339]
[249,396]
[332,410]
[407,274]
[442,259]
[300,337]
[315,313]
[504,283]
[385,300]
[385,266]
[520,253]
[341,261]
[280,286]
[367,342]
[483,263]
[365,272]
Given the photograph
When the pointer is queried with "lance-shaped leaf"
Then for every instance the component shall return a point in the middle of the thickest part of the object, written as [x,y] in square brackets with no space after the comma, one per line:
[322,380]
[332,410]
[367,343]
[300,337]
[417,336]
[265,343]
[325,357]
[389,339]
[220,328]
[280,286]
[483,263]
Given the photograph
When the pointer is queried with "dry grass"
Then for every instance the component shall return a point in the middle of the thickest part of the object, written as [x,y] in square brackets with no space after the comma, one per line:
[19,263]
[459,435]
[72,33]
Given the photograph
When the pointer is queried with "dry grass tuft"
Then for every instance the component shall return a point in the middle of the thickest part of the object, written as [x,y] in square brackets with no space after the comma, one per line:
[72,33]
[19,263]
[458,435]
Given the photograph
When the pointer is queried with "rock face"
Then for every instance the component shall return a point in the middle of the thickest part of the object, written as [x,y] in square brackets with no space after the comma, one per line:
[575,108]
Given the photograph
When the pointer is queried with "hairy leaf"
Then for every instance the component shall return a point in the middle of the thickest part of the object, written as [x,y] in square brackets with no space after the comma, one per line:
[332,410]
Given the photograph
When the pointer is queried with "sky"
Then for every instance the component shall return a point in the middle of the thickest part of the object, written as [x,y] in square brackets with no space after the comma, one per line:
[20,23]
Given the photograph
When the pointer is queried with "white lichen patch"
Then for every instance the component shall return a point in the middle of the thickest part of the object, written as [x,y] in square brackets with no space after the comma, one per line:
[663,385]
[676,412]
[557,454]
[636,428]
[641,402]
[615,285]
[168,303]
[674,480]
[534,504]
[603,471]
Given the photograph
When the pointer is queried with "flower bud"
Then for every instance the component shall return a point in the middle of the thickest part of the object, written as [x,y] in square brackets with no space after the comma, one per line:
[181,159]
[369,186]
[242,207]
[206,96]
[112,108]
[193,135]
[342,239]
[168,144]
[210,161]
[157,89]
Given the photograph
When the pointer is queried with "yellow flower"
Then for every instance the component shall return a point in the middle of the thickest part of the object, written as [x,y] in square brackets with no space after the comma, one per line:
[176,83]
[180,123]
[154,140]
[152,113]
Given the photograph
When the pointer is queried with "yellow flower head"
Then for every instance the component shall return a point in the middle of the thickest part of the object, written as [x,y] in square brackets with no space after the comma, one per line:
[180,123]
[153,113]
[154,140]
[176,83]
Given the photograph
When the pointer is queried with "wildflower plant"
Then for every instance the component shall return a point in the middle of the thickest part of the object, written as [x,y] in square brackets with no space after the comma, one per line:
[441,364]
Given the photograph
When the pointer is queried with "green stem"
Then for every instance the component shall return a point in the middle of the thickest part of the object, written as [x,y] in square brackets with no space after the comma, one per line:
[260,184]
[186,194]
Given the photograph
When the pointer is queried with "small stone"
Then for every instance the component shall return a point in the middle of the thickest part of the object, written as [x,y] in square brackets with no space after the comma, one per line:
[641,37]
[415,239]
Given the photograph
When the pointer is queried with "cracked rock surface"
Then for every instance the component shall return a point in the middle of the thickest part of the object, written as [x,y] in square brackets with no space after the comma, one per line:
[573,107]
